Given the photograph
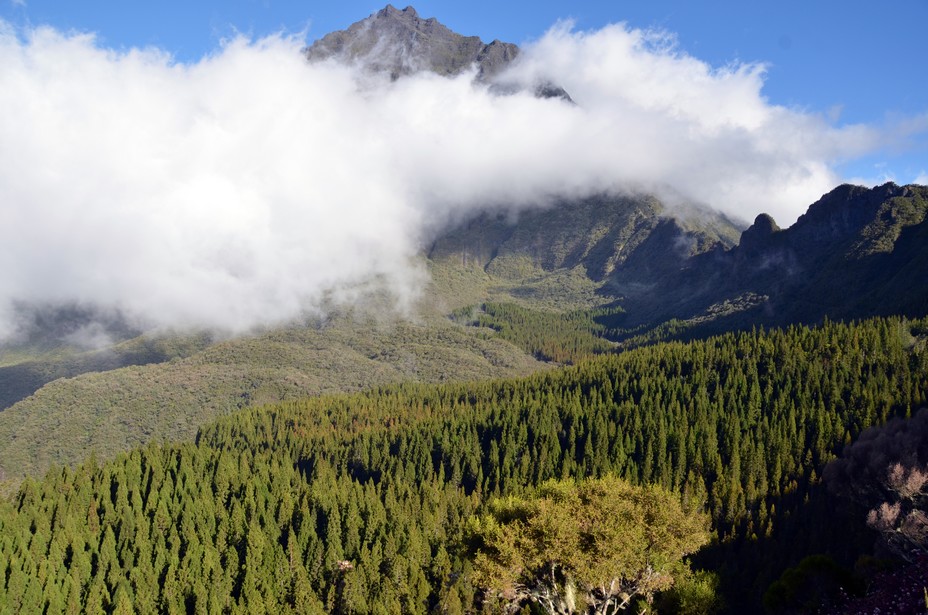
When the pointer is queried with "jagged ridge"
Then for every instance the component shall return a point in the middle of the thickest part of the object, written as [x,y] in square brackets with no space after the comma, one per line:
[855,253]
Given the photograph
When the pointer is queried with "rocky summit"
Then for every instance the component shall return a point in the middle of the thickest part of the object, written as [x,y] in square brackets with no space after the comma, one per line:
[400,42]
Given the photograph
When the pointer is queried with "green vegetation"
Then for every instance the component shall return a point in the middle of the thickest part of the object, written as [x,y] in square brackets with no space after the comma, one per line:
[25,369]
[562,290]
[590,547]
[893,217]
[359,503]
[117,410]
[157,389]
[549,336]
[816,580]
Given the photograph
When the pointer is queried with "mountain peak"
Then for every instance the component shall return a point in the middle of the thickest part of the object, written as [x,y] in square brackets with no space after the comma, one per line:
[391,11]
[843,212]
[765,224]
[758,235]
[400,42]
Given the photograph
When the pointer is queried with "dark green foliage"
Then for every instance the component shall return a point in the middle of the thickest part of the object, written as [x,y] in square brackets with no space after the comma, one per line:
[357,503]
[549,336]
[817,581]
[189,528]
[695,593]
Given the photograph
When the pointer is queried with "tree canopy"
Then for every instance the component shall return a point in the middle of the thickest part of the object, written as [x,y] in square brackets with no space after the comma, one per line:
[587,547]
[262,513]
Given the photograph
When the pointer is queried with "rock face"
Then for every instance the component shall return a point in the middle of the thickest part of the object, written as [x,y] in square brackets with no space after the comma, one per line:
[400,42]
[635,238]
[856,252]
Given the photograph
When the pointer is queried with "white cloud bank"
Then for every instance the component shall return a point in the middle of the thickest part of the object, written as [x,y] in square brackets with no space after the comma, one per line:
[242,188]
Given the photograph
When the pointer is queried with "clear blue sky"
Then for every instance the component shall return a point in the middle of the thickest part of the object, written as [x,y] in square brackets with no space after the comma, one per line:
[859,61]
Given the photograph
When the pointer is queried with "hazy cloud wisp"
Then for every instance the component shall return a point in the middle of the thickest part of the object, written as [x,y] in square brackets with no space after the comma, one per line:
[246,187]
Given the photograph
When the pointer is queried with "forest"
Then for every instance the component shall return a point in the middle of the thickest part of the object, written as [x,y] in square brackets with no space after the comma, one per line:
[361,503]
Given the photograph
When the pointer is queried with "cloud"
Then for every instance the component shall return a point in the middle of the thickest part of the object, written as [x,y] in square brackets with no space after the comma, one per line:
[922,179]
[667,118]
[249,186]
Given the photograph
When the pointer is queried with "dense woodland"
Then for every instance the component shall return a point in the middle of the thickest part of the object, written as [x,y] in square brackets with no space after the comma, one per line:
[358,503]
[546,335]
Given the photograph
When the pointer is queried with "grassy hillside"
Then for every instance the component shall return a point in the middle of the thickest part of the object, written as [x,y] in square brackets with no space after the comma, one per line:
[171,386]
[542,281]
[358,503]
[26,368]
[116,410]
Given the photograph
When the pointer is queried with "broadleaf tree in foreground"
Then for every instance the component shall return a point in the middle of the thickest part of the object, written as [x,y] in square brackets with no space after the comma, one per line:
[588,547]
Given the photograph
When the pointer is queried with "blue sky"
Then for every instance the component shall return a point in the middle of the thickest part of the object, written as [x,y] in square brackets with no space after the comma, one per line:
[852,61]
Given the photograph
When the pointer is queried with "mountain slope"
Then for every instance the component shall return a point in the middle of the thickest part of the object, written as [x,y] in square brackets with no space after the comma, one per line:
[116,410]
[856,252]
[24,370]
[601,235]
[555,258]
[360,502]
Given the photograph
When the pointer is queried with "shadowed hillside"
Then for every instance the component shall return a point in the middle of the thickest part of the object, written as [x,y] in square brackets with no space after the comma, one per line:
[855,253]
[603,236]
